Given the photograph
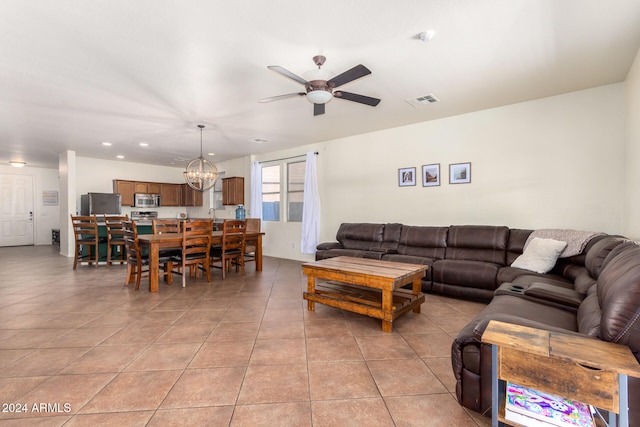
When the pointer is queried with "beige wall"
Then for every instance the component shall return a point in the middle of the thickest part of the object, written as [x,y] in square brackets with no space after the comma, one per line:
[550,163]
[554,162]
[632,154]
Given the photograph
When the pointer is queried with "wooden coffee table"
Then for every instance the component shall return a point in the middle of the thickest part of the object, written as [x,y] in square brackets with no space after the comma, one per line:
[366,286]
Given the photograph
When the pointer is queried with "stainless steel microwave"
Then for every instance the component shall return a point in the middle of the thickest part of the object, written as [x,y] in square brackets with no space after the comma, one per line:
[146,200]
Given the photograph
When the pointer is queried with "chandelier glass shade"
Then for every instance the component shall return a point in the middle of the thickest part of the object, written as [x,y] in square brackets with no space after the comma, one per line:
[200,173]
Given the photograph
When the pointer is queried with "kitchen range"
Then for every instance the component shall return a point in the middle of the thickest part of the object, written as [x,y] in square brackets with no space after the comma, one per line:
[143,217]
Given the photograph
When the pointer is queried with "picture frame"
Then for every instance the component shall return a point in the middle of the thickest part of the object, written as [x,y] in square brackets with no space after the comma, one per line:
[406,177]
[460,173]
[431,175]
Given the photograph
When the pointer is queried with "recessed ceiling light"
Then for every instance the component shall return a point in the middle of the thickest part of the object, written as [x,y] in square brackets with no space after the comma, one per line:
[17,164]
[144,144]
[426,36]
[120,156]
[211,154]
[259,140]
[106,144]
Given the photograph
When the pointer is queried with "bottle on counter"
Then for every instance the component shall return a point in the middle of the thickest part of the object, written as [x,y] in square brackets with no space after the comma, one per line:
[240,212]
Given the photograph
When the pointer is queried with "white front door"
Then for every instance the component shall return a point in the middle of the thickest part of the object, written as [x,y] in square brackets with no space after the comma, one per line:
[16,210]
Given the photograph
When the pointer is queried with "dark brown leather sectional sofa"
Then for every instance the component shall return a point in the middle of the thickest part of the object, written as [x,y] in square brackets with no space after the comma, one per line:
[595,293]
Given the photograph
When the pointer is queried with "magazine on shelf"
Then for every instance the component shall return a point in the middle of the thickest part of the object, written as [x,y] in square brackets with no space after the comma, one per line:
[534,408]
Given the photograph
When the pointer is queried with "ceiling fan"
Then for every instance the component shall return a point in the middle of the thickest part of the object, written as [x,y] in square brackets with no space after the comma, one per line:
[319,92]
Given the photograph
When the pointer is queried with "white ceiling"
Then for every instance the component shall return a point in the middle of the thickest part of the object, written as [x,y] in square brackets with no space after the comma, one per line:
[76,73]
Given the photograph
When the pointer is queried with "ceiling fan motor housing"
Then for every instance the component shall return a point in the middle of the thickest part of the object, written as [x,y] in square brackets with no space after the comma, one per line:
[318,85]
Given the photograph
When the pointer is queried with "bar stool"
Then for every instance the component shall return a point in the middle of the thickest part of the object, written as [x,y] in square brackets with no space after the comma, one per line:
[85,230]
[115,238]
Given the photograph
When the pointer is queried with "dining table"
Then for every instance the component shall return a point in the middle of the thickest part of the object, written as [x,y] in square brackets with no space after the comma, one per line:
[155,242]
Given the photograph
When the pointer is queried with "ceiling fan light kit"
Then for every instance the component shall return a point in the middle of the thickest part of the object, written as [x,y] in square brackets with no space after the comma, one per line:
[200,173]
[319,91]
[319,96]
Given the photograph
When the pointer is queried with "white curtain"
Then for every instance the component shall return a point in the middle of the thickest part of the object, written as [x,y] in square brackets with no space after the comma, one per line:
[256,191]
[311,208]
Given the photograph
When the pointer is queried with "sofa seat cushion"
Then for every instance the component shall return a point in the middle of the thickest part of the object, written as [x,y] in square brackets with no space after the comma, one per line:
[471,274]
[411,260]
[513,309]
[357,253]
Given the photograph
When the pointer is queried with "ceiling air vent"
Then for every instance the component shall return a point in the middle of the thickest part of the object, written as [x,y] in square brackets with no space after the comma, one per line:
[423,100]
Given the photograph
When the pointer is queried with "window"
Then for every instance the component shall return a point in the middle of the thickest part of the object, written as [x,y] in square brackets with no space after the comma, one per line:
[216,195]
[283,184]
[271,193]
[295,190]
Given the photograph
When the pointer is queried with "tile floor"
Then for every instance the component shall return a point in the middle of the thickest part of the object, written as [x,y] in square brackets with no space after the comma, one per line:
[77,348]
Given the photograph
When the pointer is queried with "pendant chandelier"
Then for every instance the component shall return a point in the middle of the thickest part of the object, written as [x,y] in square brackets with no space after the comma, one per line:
[200,174]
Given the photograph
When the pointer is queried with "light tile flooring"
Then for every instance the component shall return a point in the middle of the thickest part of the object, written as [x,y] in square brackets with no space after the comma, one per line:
[77,348]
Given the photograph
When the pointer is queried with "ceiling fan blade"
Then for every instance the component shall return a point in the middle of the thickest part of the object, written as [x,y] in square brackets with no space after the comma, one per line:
[357,98]
[349,76]
[318,109]
[288,73]
[279,97]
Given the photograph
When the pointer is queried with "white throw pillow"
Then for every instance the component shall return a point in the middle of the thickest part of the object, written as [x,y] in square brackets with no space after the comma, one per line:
[540,255]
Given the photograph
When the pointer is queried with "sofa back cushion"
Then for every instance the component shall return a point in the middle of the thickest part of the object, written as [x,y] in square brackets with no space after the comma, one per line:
[619,297]
[598,252]
[515,245]
[391,236]
[485,243]
[363,236]
[428,242]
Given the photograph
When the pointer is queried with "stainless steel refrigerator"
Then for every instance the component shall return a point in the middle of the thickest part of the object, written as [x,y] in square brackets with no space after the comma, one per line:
[100,203]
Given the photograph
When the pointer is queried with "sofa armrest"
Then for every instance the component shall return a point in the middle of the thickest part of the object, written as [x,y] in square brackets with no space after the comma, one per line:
[329,245]
[564,296]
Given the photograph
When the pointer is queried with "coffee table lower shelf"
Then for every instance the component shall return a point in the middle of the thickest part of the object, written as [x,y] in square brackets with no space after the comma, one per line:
[364,300]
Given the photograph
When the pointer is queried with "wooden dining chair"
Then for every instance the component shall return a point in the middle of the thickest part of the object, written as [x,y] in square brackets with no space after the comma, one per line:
[115,238]
[162,226]
[253,225]
[85,230]
[137,261]
[196,245]
[233,246]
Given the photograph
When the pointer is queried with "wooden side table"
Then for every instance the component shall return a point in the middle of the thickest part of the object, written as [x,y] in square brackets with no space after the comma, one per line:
[588,370]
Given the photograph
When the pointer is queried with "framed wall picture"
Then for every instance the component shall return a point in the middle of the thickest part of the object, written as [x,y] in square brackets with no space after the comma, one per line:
[406,177]
[431,175]
[459,173]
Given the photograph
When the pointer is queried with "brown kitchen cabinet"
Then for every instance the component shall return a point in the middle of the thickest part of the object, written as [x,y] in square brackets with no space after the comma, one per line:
[233,190]
[190,197]
[170,194]
[148,187]
[126,189]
